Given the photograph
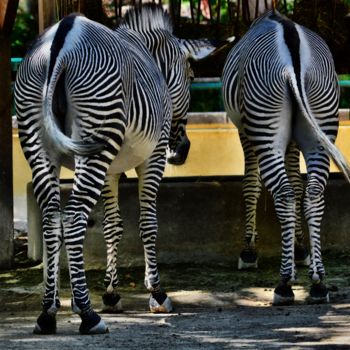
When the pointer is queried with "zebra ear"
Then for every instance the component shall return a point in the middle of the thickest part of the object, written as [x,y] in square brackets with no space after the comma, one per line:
[201,48]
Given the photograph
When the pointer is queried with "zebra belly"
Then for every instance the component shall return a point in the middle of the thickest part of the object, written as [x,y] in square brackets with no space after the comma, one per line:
[133,152]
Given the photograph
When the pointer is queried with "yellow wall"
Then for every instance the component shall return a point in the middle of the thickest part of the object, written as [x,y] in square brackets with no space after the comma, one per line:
[215,150]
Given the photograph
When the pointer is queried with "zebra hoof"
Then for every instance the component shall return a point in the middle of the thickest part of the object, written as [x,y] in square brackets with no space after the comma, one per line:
[301,256]
[319,294]
[112,303]
[248,259]
[91,323]
[159,302]
[179,155]
[283,295]
[45,324]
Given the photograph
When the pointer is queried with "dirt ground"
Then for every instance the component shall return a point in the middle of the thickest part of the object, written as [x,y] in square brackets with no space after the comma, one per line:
[216,307]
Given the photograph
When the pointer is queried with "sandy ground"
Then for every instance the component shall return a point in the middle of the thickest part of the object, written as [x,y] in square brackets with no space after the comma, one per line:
[216,307]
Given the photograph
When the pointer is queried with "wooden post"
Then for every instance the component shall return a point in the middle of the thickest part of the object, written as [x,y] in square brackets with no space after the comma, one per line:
[46,14]
[8,9]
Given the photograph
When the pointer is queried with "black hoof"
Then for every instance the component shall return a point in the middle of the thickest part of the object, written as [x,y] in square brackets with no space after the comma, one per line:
[112,303]
[248,259]
[159,296]
[319,294]
[45,324]
[160,303]
[91,323]
[301,256]
[283,295]
[180,153]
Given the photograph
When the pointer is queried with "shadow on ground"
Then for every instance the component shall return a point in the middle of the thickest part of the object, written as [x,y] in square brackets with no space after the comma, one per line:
[216,307]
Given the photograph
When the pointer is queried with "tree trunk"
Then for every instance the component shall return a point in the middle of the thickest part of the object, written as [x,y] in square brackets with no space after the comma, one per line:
[8,10]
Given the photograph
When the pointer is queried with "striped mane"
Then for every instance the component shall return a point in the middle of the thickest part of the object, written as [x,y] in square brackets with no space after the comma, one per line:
[146,18]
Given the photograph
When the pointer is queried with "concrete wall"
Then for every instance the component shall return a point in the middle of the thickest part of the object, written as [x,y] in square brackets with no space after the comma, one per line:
[200,221]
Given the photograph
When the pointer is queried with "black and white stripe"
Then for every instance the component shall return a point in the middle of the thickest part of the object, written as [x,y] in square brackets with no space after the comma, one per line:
[280,89]
[153,27]
[92,99]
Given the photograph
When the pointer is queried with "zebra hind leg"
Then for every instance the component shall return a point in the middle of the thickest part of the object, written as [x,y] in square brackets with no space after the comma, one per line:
[91,322]
[285,209]
[52,232]
[314,209]
[85,193]
[285,203]
[112,230]
[248,257]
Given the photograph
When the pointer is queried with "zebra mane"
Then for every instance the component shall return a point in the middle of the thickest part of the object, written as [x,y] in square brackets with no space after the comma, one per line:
[147,17]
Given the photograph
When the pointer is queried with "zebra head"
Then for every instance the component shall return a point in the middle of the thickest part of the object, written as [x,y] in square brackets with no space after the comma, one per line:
[173,56]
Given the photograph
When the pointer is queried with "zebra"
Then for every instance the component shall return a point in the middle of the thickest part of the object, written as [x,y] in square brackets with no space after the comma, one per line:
[151,25]
[155,29]
[280,89]
[93,100]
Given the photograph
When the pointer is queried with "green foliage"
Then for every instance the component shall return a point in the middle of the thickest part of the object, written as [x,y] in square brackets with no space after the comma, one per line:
[24,32]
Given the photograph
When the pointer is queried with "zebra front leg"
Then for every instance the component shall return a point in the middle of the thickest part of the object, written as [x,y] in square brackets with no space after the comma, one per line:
[112,230]
[178,154]
[179,143]
[150,174]
[159,301]
[248,257]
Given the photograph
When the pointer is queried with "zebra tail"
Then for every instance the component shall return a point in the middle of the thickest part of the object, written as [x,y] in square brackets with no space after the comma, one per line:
[330,147]
[63,143]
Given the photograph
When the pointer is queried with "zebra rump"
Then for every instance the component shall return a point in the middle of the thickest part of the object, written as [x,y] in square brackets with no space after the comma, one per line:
[52,131]
[291,35]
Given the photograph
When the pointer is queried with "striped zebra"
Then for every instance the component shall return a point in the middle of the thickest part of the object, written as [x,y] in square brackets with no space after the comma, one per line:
[280,89]
[151,25]
[155,29]
[93,100]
